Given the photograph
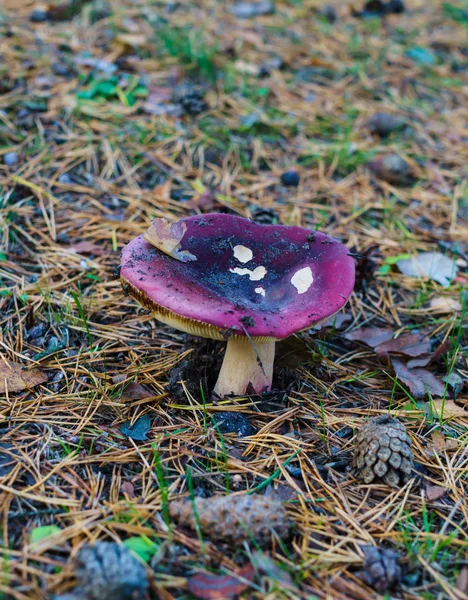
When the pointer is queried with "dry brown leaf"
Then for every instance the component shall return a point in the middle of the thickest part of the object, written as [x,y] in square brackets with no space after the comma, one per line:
[419,381]
[86,247]
[435,492]
[204,201]
[216,587]
[444,305]
[167,237]
[372,336]
[412,344]
[127,488]
[440,443]
[135,391]
[447,409]
[15,377]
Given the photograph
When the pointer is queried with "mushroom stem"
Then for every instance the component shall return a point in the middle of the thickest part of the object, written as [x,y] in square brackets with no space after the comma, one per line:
[241,367]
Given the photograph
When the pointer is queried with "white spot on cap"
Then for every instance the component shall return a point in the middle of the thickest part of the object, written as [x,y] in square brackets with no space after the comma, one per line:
[242,253]
[302,280]
[260,290]
[255,275]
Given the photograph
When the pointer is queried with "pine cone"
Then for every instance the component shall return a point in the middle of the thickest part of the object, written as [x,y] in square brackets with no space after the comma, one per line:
[234,519]
[381,570]
[190,97]
[110,571]
[383,452]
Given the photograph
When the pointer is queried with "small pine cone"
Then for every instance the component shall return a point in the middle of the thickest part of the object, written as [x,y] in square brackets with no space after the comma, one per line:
[234,519]
[110,571]
[383,452]
[381,570]
[190,97]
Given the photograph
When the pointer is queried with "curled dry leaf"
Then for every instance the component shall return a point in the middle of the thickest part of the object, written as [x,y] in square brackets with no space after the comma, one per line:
[167,237]
[419,381]
[440,443]
[15,378]
[212,587]
[435,492]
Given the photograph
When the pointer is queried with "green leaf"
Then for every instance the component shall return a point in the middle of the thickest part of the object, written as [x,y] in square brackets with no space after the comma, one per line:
[3,256]
[142,546]
[138,430]
[392,260]
[422,56]
[44,532]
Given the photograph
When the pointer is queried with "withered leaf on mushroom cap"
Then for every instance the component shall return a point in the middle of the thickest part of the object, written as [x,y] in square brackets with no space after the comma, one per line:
[166,237]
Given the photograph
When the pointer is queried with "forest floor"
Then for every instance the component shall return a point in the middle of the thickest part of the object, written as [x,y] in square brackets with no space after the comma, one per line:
[112,114]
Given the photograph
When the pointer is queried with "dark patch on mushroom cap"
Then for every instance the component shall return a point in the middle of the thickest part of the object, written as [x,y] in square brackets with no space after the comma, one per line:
[205,290]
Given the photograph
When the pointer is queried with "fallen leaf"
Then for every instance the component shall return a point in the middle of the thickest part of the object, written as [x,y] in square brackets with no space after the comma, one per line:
[128,489]
[422,56]
[14,377]
[86,247]
[447,409]
[435,492]
[462,580]
[133,40]
[444,305]
[138,430]
[455,383]
[203,201]
[267,567]
[246,68]
[372,336]
[167,237]
[433,265]
[335,322]
[440,443]
[213,587]
[41,533]
[65,11]
[142,546]
[419,381]
[412,344]
[135,391]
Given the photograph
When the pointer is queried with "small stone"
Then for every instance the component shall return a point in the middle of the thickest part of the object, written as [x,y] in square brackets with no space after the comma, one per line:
[38,16]
[231,422]
[247,10]
[108,570]
[10,159]
[391,168]
[290,178]
[383,124]
[327,12]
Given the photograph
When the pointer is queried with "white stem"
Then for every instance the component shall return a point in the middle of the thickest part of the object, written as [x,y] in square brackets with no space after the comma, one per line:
[241,367]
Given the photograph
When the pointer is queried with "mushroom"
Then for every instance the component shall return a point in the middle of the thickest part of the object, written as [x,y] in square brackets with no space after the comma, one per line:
[224,277]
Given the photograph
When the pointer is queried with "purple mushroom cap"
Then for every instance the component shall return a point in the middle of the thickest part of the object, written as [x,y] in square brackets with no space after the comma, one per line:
[267,280]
